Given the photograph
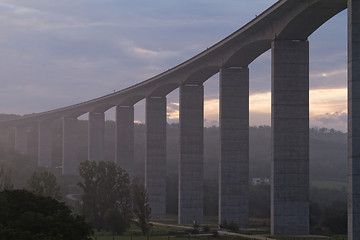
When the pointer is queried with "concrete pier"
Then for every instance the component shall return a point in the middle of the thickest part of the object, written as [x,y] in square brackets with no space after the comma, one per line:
[45,145]
[354,119]
[290,138]
[70,137]
[234,145]
[96,136]
[21,139]
[191,165]
[124,148]
[155,161]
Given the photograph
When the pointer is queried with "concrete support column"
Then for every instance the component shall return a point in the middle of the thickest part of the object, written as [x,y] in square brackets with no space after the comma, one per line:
[290,137]
[191,165]
[96,136]
[70,161]
[124,148]
[155,162]
[234,144]
[354,119]
[21,139]
[45,145]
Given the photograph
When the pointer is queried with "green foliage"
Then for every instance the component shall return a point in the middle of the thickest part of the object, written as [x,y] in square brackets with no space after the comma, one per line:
[229,225]
[114,221]
[141,207]
[206,228]
[326,196]
[195,228]
[327,158]
[16,164]
[335,218]
[215,234]
[26,216]
[315,218]
[44,184]
[105,186]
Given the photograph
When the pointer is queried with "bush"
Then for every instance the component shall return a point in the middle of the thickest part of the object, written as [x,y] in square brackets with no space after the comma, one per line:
[206,228]
[229,226]
[26,216]
[113,221]
[215,233]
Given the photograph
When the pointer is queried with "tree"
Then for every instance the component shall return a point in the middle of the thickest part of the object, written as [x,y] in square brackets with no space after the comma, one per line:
[44,184]
[114,221]
[335,217]
[142,209]
[105,186]
[27,216]
[16,164]
[315,217]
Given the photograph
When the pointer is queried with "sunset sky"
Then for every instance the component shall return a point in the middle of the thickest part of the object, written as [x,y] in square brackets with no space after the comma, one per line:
[58,53]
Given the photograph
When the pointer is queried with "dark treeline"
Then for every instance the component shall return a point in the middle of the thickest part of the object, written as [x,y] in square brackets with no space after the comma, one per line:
[328,149]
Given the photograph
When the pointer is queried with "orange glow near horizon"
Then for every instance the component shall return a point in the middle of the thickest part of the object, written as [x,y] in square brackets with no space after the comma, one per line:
[323,102]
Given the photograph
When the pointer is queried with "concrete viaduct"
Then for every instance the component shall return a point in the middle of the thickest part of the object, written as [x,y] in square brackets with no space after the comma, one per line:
[284,28]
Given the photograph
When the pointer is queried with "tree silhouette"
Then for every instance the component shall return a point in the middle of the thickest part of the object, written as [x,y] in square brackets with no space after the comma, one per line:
[105,186]
[44,184]
[27,216]
[142,209]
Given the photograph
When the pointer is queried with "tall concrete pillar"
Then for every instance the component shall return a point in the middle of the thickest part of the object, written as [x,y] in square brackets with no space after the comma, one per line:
[354,119]
[96,136]
[155,161]
[290,137]
[124,148]
[21,139]
[234,145]
[45,145]
[191,165]
[70,161]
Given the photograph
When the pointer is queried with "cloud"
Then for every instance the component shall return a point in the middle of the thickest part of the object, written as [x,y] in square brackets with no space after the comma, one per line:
[146,55]
[331,118]
[324,101]
[78,50]
[259,118]
[172,111]
[25,19]
[330,73]
[337,120]
[260,102]
[328,108]
[17,10]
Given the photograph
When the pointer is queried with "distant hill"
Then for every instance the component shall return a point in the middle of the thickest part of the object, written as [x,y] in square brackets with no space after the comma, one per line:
[4,117]
[328,149]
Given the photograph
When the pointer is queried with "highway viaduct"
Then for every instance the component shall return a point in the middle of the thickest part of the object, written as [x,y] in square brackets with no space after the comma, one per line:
[284,28]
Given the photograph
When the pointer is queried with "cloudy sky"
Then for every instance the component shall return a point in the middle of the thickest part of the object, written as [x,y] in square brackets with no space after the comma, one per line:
[58,53]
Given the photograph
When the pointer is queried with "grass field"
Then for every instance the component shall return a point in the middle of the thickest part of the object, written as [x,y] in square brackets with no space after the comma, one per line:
[127,237]
[309,238]
[110,237]
[178,233]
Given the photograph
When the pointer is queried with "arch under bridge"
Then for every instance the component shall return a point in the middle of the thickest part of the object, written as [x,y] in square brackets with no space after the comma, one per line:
[284,28]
